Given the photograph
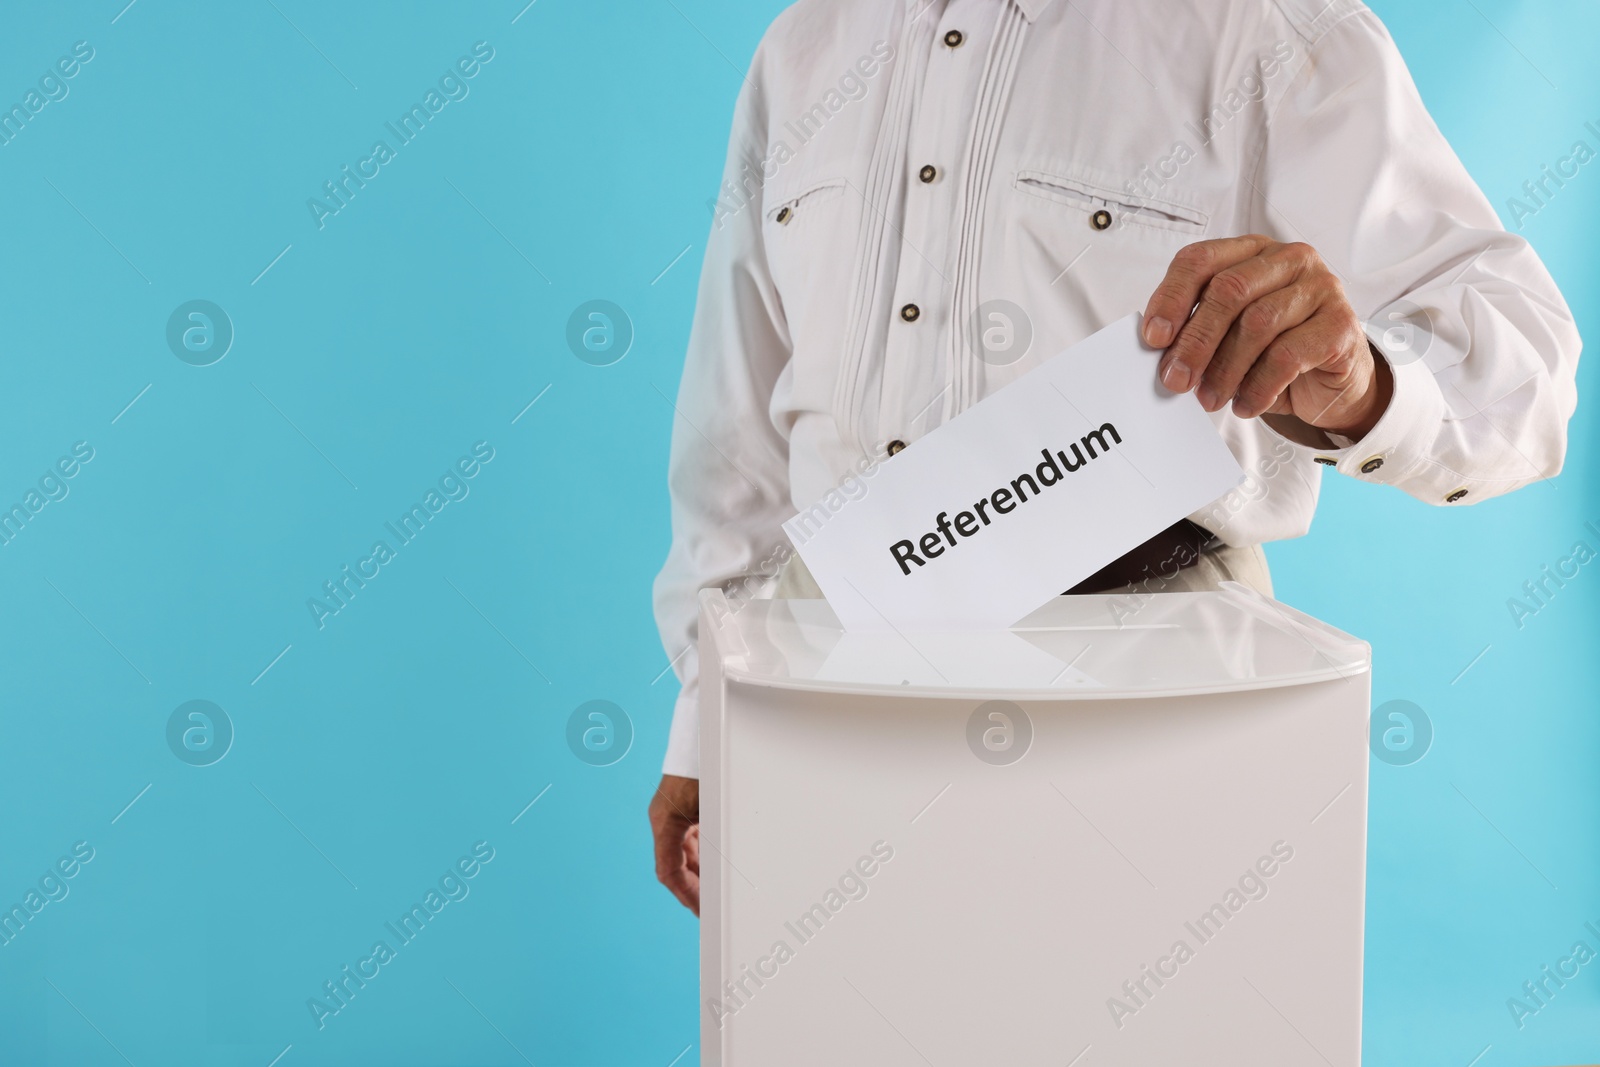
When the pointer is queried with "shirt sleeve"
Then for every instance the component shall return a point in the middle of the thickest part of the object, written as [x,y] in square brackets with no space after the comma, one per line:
[729,472]
[1481,344]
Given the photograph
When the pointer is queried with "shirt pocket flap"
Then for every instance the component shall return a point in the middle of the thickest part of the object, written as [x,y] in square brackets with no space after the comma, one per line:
[786,206]
[1123,204]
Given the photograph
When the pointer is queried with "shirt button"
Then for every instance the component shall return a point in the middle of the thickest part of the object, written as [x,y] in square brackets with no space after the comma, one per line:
[911,313]
[1326,461]
[1457,495]
[1372,465]
[1101,219]
[783,215]
[954,38]
[896,447]
[927,174]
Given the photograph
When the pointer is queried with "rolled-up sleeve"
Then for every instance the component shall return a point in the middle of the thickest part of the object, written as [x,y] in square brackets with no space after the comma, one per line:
[728,473]
[1482,346]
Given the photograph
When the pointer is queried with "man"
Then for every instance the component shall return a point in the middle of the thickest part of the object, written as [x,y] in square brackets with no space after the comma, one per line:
[1259,177]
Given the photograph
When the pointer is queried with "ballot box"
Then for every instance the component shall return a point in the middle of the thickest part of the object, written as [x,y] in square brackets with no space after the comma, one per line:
[1128,830]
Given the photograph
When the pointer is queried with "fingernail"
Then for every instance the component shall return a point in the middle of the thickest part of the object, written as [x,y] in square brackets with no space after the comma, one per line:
[1207,397]
[1175,376]
[1157,332]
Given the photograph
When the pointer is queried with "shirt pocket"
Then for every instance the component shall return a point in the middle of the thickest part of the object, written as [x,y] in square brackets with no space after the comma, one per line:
[1102,207]
[808,234]
[799,209]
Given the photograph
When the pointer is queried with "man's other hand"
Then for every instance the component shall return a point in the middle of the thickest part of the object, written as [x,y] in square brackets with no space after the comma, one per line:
[675,821]
[1271,332]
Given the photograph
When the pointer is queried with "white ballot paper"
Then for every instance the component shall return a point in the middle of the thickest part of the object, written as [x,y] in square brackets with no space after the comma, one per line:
[1018,498]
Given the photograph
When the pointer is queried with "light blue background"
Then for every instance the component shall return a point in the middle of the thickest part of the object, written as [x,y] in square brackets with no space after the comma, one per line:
[428,713]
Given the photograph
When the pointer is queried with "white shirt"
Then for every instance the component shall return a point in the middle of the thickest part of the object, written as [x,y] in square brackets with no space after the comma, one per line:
[1076,146]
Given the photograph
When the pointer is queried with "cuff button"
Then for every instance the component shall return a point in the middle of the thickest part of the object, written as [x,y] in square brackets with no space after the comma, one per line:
[1457,495]
[1371,465]
[1326,461]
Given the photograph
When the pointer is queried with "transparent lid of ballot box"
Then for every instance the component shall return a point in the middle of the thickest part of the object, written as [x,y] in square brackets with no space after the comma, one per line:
[1095,646]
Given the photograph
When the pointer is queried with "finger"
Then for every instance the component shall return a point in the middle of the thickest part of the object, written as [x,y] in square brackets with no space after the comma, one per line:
[685,883]
[671,871]
[1281,406]
[1225,296]
[685,888]
[692,892]
[1293,353]
[1255,328]
[1187,274]
[669,835]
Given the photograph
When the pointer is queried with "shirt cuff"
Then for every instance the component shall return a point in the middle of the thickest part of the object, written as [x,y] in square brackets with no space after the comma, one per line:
[683,742]
[1403,437]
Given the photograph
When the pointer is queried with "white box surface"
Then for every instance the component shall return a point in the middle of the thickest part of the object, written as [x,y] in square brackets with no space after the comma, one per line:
[893,875]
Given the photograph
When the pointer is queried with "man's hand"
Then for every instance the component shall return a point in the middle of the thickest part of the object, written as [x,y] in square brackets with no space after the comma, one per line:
[675,821]
[1273,334]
